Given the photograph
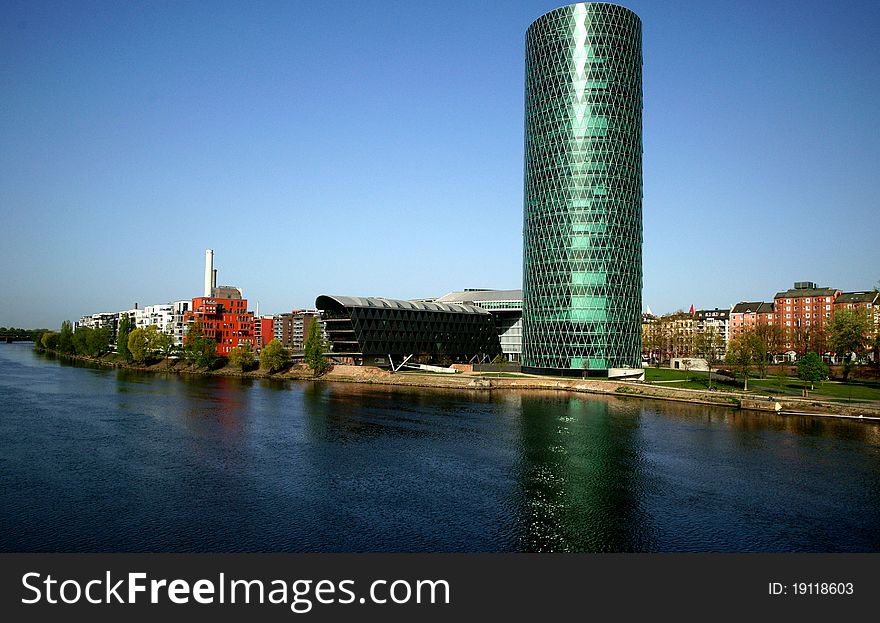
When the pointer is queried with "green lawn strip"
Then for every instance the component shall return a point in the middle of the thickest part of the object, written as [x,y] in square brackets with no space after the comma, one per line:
[791,387]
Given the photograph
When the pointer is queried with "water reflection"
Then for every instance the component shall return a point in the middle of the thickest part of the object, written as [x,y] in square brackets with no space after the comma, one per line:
[581,476]
[115,460]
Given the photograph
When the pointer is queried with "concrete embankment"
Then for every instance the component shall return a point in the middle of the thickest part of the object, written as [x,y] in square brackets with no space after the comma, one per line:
[477,382]
[787,406]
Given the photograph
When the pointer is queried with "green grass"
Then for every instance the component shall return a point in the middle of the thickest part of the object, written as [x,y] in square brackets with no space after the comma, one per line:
[858,390]
[694,379]
[667,374]
[507,375]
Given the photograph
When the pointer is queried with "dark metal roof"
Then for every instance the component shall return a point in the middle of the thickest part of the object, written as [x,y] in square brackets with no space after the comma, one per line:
[857,297]
[757,307]
[376,302]
[801,293]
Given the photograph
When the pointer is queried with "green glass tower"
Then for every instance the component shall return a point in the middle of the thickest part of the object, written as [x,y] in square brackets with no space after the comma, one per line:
[582,257]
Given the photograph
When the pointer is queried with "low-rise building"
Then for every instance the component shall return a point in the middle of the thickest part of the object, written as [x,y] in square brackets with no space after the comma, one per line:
[667,337]
[748,315]
[505,306]
[388,332]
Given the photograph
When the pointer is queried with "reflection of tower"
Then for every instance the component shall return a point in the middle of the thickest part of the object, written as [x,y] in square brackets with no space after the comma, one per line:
[582,230]
[583,478]
[210,273]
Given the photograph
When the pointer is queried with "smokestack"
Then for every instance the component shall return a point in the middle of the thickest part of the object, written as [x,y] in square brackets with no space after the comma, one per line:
[209,272]
[214,279]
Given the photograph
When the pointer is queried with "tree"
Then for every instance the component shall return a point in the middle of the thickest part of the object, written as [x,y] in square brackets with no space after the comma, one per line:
[98,342]
[139,345]
[656,339]
[740,356]
[314,349]
[163,344]
[766,340]
[242,356]
[708,344]
[65,339]
[274,356]
[846,336]
[499,359]
[122,337]
[199,349]
[808,338]
[81,340]
[49,340]
[811,368]
[91,342]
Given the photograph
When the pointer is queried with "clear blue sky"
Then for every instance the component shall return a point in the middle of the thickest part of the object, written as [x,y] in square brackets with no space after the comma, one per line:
[375,148]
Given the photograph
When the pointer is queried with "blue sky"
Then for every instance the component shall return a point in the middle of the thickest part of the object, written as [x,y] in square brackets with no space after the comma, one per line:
[375,148]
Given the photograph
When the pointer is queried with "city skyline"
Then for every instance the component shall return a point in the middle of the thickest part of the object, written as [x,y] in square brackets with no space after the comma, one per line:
[322,155]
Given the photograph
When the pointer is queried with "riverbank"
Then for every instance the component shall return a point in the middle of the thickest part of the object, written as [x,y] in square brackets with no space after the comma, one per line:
[475,381]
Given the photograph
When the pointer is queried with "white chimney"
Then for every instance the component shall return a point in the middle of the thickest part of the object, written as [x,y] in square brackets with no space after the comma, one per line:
[209,272]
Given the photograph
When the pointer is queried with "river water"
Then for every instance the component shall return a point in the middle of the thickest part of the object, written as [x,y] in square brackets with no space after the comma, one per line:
[111,460]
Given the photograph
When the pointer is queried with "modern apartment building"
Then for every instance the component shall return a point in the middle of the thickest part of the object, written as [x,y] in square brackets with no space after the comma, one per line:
[263,331]
[103,320]
[226,320]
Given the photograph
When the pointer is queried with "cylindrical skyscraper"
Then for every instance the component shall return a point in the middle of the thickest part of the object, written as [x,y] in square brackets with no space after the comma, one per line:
[582,256]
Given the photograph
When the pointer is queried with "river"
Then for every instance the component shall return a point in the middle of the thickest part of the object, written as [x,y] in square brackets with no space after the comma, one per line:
[112,460]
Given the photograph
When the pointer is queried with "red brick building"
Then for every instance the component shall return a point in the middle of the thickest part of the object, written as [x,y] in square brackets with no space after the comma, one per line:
[746,316]
[866,302]
[803,310]
[226,320]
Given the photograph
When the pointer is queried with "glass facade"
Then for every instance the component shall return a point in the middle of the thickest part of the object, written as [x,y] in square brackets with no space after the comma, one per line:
[582,257]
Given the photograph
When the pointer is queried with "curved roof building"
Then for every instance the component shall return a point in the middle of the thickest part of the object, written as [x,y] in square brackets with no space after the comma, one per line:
[582,257]
[368,329]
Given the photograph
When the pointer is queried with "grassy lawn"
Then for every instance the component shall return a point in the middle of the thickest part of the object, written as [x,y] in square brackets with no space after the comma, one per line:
[689,380]
[507,375]
[666,374]
[858,390]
